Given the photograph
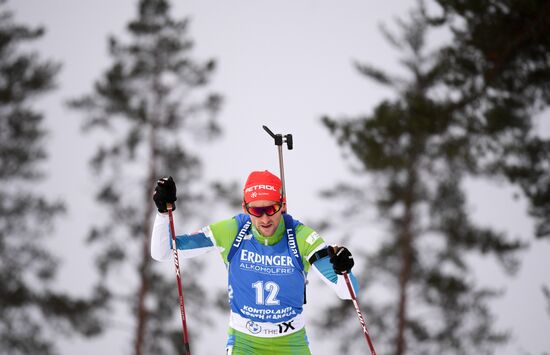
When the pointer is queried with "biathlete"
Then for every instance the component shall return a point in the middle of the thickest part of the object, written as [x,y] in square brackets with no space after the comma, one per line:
[268,255]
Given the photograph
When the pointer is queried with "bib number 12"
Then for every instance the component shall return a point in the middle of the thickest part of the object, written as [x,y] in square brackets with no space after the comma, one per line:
[270,288]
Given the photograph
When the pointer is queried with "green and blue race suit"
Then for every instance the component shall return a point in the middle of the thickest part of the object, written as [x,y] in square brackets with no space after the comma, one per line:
[266,282]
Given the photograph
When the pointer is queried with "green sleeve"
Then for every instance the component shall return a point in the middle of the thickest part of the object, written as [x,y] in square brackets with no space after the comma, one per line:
[224,233]
[308,241]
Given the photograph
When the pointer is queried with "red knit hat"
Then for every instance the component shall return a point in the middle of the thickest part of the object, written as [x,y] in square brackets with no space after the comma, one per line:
[262,185]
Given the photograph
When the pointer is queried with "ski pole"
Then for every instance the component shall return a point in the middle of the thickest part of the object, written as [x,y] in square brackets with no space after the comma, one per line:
[178,279]
[279,139]
[359,314]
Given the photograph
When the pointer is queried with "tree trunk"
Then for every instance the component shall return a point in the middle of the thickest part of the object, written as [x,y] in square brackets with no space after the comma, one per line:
[406,251]
[145,260]
[143,283]
[144,274]
[154,119]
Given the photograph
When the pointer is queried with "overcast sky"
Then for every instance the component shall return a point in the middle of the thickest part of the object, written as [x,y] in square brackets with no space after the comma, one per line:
[283,64]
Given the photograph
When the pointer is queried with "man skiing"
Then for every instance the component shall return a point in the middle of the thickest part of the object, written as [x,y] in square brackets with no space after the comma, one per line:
[268,255]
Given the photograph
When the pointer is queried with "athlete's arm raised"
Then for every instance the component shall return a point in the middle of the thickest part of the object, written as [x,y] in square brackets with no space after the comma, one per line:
[190,244]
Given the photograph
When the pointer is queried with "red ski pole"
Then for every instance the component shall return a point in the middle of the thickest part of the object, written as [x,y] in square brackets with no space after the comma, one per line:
[178,279]
[359,314]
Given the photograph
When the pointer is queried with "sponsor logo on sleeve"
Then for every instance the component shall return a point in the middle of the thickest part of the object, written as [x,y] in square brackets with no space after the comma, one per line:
[312,238]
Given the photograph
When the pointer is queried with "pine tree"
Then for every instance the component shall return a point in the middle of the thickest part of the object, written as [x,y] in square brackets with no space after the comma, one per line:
[499,60]
[150,106]
[32,311]
[417,150]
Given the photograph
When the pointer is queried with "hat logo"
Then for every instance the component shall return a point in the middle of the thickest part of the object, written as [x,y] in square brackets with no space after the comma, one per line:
[254,194]
[260,187]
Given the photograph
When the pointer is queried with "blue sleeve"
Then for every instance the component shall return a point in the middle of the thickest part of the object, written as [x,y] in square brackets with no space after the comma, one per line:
[192,241]
[325,268]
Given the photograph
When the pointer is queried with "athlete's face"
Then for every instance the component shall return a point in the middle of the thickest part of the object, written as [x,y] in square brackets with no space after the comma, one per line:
[266,225]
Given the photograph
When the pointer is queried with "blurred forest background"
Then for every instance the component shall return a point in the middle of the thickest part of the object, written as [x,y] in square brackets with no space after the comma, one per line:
[422,142]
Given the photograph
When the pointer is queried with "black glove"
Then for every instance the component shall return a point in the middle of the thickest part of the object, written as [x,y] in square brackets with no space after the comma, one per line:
[165,192]
[341,259]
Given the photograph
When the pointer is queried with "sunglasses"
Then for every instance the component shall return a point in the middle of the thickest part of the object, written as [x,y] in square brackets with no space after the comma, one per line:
[268,210]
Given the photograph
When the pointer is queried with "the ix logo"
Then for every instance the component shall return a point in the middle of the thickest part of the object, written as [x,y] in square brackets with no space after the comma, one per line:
[286,325]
